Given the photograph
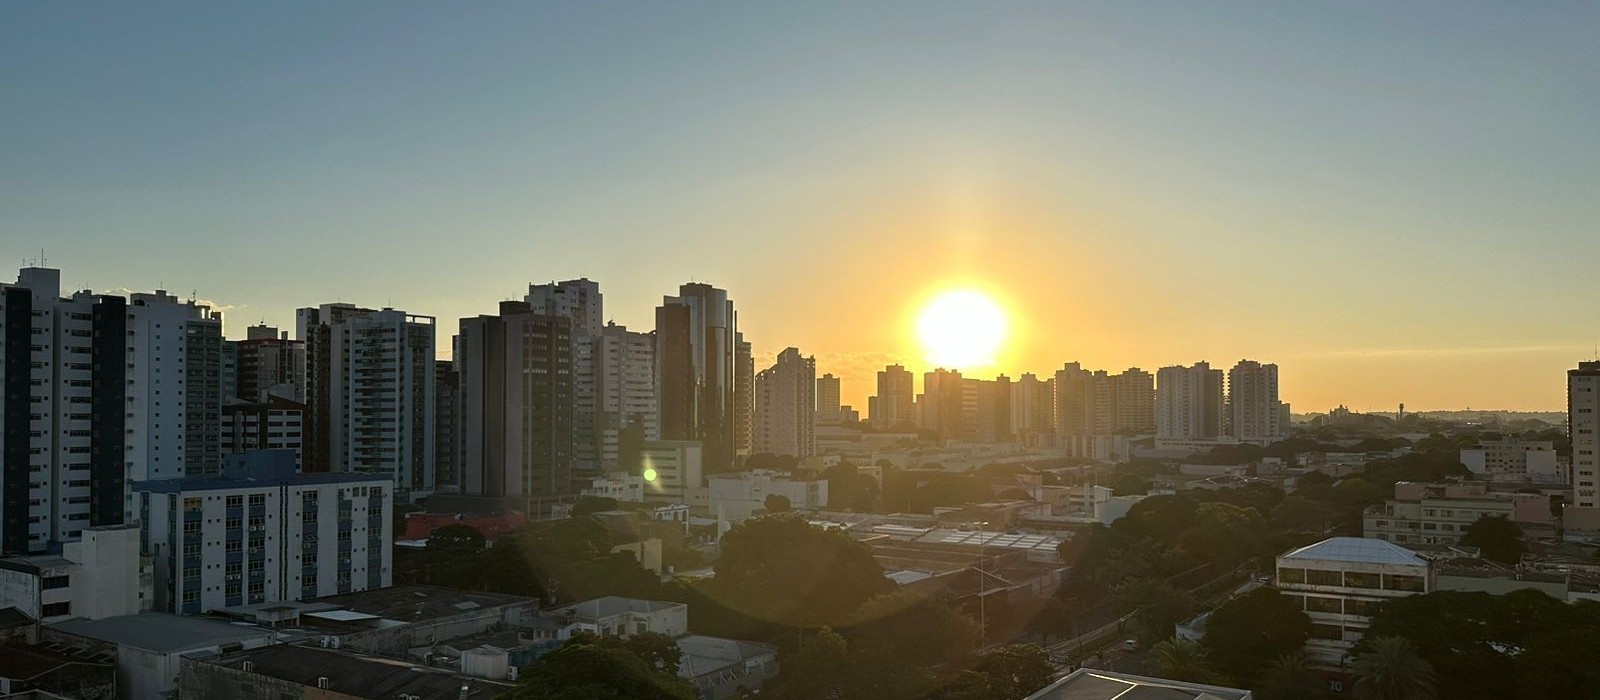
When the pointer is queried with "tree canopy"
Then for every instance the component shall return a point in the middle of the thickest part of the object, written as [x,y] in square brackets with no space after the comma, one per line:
[594,669]
[1497,538]
[1249,632]
[783,569]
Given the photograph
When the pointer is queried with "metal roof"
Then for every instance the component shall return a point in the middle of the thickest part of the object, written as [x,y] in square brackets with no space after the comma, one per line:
[1359,550]
[163,632]
[1092,684]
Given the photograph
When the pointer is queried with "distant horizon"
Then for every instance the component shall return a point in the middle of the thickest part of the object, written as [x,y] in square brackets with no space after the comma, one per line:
[1393,202]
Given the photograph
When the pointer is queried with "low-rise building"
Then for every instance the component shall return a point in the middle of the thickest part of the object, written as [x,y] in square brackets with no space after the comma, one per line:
[104,574]
[738,495]
[293,671]
[1340,582]
[670,469]
[1095,684]
[720,669]
[619,486]
[43,672]
[149,647]
[623,617]
[1438,513]
[1514,460]
[264,532]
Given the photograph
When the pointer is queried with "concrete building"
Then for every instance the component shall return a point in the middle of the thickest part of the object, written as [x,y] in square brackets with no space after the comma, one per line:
[744,398]
[293,671]
[1095,684]
[1033,410]
[267,361]
[579,301]
[1512,460]
[942,406]
[671,468]
[699,372]
[738,495]
[517,404]
[1189,402]
[1437,514]
[1097,404]
[447,429]
[99,390]
[620,486]
[624,617]
[101,575]
[150,647]
[895,403]
[626,404]
[1583,426]
[262,533]
[370,384]
[786,406]
[722,669]
[1254,411]
[1340,582]
[272,423]
[829,411]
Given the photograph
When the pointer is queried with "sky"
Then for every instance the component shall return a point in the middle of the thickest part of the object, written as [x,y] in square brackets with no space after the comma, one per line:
[1395,202]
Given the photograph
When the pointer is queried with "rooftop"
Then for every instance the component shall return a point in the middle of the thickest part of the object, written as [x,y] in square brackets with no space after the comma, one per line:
[418,603]
[359,675]
[21,663]
[614,605]
[1092,684]
[1360,550]
[163,632]
[703,655]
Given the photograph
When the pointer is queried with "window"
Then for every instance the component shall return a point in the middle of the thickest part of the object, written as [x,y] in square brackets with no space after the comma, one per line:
[53,582]
[1357,579]
[1400,582]
[236,501]
[1323,605]
[1358,606]
[191,505]
[1320,577]
[1321,631]
[57,609]
[1287,575]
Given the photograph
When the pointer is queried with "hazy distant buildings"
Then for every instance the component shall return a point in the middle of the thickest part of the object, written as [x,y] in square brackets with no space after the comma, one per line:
[699,373]
[940,407]
[1090,406]
[1254,412]
[828,410]
[785,403]
[1033,409]
[1583,425]
[895,402]
[517,403]
[1189,402]
[370,383]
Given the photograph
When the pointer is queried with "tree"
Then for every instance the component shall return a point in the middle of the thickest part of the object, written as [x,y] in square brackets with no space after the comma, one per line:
[589,505]
[1183,660]
[1248,632]
[455,540]
[1053,618]
[917,629]
[659,652]
[1291,678]
[783,569]
[1129,485]
[776,503]
[1497,537]
[1009,673]
[1161,606]
[582,670]
[1390,669]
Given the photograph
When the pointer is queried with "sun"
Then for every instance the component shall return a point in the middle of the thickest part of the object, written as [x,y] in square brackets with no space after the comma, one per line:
[962,329]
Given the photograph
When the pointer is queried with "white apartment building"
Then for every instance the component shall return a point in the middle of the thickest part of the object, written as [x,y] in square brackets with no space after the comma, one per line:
[621,617]
[1583,426]
[1340,582]
[1254,411]
[829,409]
[1189,402]
[620,486]
[1514,461]
[101,575]
[1440,517]
[625,390]
[370,386]
[737,495]
[99,390]
[262,533]
[786,406]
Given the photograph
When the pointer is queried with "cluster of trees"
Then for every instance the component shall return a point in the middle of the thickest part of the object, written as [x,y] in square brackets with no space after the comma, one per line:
[1523,644]
[561,560]
[588,667]
[830,665]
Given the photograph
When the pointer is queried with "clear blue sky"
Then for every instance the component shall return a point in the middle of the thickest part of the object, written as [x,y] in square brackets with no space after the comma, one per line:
[1396,201]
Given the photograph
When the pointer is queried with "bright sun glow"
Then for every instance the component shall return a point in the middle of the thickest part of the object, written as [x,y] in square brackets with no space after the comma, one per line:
[961,329]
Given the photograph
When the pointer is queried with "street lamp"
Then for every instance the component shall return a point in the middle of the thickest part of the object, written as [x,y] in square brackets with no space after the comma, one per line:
[983,618]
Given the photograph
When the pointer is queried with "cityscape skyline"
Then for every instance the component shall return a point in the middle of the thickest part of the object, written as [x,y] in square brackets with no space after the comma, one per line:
[1140,185]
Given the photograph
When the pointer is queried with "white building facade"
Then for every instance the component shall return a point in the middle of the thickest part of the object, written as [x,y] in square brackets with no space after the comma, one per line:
[1189,402]
[1583,426]
[262,533]
[1340,582]
[1514,460]
[1254,411]
[786,403]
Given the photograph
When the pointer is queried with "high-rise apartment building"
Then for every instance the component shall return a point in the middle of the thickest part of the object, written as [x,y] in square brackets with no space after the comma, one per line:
[261,533]
[267,361]
[100,391]
[1033,409]
[828,408]
[273,423]
[447,425]
[1254,412]
[895,403]
[744,398]
[942,406]
[1189,402]
[785,403]
[370,384]
[625,391]
[699,372]
[1583,427]
[1133,402]
[580,301]
[517,404]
